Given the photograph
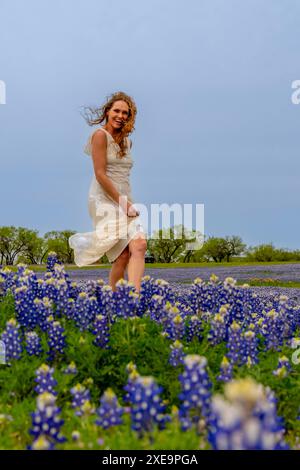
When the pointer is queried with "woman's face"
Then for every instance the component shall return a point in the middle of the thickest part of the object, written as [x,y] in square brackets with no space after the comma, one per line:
[118,114]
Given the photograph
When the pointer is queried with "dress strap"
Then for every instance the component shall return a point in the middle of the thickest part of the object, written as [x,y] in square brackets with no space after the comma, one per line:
[96,130]
[111,137]
[108,133]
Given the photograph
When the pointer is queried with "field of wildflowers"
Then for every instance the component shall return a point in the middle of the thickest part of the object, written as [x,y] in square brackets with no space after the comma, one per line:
[83,367]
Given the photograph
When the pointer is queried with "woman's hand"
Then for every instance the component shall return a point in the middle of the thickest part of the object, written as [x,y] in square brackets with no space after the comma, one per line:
[131,210]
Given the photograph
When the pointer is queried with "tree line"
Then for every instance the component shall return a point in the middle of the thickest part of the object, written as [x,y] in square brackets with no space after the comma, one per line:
[23,245]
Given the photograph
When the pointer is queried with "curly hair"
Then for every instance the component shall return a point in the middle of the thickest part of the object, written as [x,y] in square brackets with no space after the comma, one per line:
[94,115]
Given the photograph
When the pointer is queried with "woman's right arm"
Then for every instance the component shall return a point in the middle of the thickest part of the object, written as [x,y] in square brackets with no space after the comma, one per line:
[99,148]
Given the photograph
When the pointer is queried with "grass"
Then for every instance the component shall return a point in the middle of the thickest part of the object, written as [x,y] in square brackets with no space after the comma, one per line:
[269,283]
[255,282]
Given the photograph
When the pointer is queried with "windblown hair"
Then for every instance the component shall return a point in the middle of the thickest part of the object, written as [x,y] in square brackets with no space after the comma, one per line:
[95,115]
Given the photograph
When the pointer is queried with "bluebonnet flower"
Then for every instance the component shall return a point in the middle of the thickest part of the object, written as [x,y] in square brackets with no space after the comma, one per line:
[173,323]
[197,294]
[125,299]
[236,344]
[109,412]
[45,380]
[81,395]
[196,391]
[208,298]
[156,307]
[218,330]
[146,292]
[194,328]
[104,295]
[56,339]
[71,369]
[33,343]
[48,288]
[73,290]
[163,288]
[60,274]
[91,287]
[250,350]
[75,435]
[8,279]
[86,409]
[28,279]
[101,331]
[42,443]
[61,298]
[132,377]
[69,309]
[21,268]
[52,259]
[26,313]
[177,354]
[44,308]
[85,311]
[245,419]
[226,370]
[12,340]
[46,423]
[290,316]
[272,326]
[283,367]
[146,407]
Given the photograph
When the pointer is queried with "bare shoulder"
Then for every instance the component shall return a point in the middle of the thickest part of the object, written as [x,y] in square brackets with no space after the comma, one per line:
[99,138]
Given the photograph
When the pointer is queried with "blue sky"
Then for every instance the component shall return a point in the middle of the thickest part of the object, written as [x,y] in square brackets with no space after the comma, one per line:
[215,124]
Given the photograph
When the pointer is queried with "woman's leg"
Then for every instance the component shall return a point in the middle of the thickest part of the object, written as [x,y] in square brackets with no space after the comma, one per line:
[136,264]
[118,268]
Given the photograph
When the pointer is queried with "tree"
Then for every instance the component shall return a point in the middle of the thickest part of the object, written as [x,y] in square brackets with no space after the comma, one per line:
[33,251]
[234,246]
[168,245]
[264,252]
[16,242]
[215,248]
[58,241]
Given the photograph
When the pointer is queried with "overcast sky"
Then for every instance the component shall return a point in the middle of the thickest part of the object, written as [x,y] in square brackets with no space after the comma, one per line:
[215,125]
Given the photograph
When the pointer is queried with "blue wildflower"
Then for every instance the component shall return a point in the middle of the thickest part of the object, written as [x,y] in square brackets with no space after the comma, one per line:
[245,419]
[146,407]
[226,370]
[177,354]
[12,340]
[45,380]
[109,412]
[46,424]
[283,367]
[101,331]
[196,391]
[56,339]
[81,395]
[33,343]
[194,328]
[71,369]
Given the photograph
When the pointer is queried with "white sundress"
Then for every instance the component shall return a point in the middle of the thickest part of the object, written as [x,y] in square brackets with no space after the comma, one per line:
[113,229]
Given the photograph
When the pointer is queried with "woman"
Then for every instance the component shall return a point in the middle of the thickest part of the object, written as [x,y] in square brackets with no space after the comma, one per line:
[118,230]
